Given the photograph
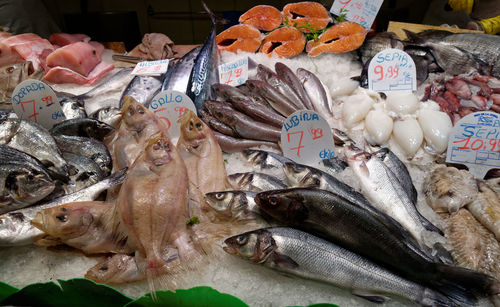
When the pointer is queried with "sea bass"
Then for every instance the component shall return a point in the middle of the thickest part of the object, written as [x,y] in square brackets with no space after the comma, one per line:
[255,182]
[234,205]
[301,254]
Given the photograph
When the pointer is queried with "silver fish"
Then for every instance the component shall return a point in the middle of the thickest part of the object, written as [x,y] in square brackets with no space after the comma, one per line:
[234,205]
[108,115]
[86,127]
[177,78]
[72,108]
[316,91]
[377,43]
[334,165]
[278,101]
[263,160]
[83,172]
[255,182]
[143,88]
[267,75]
[293,81]
[15,226]
[231,144]
[204,72]
[23,180]
[298,253]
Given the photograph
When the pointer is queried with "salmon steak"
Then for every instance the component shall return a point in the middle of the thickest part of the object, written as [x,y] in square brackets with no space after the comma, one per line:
[305,15]
[242,37]
[263,17]
[284,42]
[343,37]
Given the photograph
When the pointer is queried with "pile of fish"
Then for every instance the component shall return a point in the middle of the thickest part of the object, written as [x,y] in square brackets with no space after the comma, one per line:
[252,114]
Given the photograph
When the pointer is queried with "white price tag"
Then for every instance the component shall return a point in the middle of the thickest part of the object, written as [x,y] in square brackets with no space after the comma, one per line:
[475,142]
[169,106]
[151,68]
[360,11]
[36,101]
[307,138]
[234,73]
[392,70]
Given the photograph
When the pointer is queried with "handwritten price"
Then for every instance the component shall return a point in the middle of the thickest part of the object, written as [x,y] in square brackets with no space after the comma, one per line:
[233,73]
[300,135]
[478,144]
[392,72]
[167,122]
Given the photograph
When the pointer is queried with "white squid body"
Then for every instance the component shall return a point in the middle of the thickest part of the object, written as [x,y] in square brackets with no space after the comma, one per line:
[378,126]
[408,134]
[342,87]
[402,103]
[436,127]
[355,109]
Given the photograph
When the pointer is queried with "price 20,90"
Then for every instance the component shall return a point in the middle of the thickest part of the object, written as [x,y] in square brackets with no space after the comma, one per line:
[479,144]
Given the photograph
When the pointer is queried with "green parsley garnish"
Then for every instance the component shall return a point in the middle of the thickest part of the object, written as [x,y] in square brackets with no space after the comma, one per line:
[192,221]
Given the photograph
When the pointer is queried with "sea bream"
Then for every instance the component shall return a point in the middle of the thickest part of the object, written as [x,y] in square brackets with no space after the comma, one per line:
[301,254]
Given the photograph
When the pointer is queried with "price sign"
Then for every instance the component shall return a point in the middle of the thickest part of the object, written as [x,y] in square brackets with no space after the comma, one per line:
[151,68]
[169,106]
[234,73]
[392,70]
[359,11]
[36,101]
[307,138]
[475,142]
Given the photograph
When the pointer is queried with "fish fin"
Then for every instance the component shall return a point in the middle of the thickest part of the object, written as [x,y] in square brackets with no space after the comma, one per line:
[364,169]
[429,226]
[215,19]
[440,254]
[372,297]
[284,261]
[48,240]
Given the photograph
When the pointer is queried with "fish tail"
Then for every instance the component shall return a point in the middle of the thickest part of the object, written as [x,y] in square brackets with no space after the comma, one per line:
[215,19]
[432,298]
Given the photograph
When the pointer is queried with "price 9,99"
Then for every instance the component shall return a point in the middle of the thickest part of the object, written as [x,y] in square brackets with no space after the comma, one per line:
[391,72]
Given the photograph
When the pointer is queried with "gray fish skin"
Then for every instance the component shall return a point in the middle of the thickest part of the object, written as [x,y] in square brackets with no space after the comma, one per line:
[246,105]
[316,91]
[215,124]
[87,147]
[30,137]
[454,60]
[298,253]
[264,160]
[277,101]
[83,172]
[289,77]
[242,124]
[204,72]
[377,43]
[143,88]
[399,169]
[86,127]
[72,108]
[108,115]
[255,182]
[267,75]
[230,144]
[234,205]
[23,180]
[177,78]
[334,165]
[15,227]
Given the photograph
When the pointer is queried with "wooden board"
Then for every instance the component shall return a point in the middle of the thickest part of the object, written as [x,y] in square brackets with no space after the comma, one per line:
[397,28]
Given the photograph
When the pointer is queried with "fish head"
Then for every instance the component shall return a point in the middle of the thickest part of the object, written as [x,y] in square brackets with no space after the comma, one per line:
[228,203]
[255,245]
[240,180]
[134,114]
[192,127]
[284,205]
[296,173]
[29,186]
[66,221]
[109,115]
[159,150]
[254,156]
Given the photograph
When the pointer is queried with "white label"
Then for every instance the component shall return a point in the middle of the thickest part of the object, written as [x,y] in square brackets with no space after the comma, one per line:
[307,138]
[36,101]
[234,73]
[475,142]
[360,11]
[392,70]
[151,68]
[169,106]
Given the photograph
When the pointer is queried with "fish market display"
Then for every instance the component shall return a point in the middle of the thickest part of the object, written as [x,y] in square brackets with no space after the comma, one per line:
[85,127]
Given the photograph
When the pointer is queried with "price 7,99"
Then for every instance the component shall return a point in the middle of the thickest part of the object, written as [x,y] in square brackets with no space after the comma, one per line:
[391,72]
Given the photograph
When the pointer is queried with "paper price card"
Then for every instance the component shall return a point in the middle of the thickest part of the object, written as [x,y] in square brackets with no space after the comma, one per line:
[359,11]
[36,101]
[234,73]
[392,70]
[307,138]
[169,106]
[475,142]
[151,68]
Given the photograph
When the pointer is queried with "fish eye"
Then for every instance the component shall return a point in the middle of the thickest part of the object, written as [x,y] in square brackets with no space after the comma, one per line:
[191,125]
[63,209]
[198,125]
[62,217]
[298,168]
[316,182]
[140,110]
[131,111]
[31,176]
[219,196]
[273,200]
[157,146]
[241,240]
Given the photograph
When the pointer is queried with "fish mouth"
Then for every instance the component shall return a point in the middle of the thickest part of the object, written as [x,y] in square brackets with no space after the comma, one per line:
[38,221]
[228,249]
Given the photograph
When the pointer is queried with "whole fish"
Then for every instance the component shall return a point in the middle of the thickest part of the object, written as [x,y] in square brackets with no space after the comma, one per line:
[108,115]
[379,42]
[242,124]
[215,124]
[315,91]
[399,169]
[246,105]
[15,227]
[263,160]
[293,81]
[23,180]
[72,108]
[231,144]
[486,208]
[456,61]
[382,188]
[88,147]
[255,182]
[267,75]
[301,254]
[177,78]
[10,76]
[31,137]
[80,225]
[83,172]
[278,101]
[234,205]
[204,72]
[86,127]
[143,88]
[334,165]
